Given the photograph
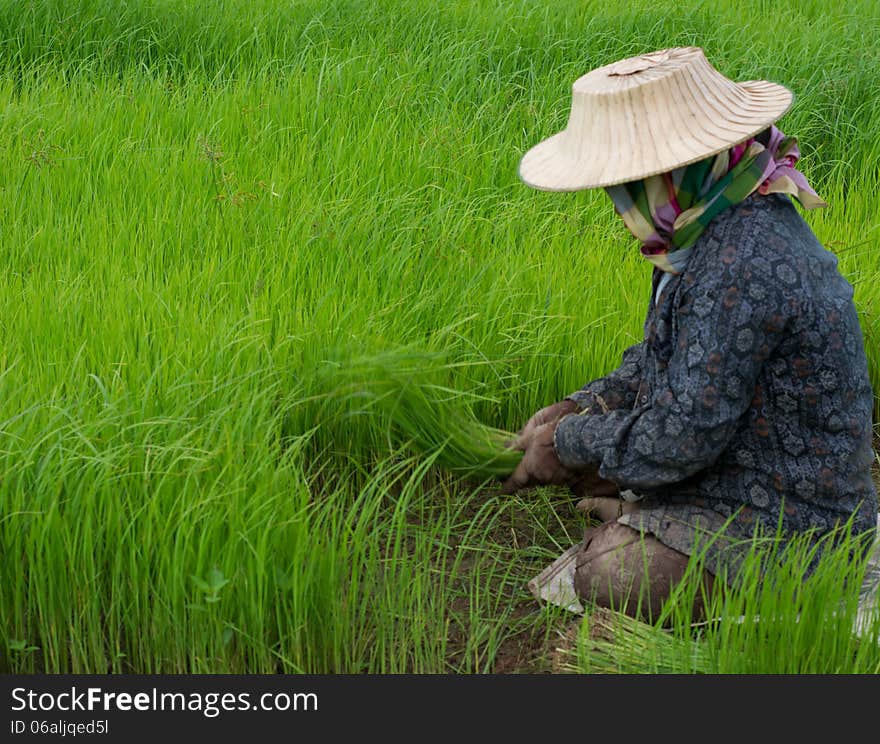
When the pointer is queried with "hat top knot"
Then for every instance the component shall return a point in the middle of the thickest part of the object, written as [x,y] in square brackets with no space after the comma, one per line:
[637,64]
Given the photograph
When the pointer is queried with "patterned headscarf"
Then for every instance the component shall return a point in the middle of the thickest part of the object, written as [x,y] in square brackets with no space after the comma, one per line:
[668,212]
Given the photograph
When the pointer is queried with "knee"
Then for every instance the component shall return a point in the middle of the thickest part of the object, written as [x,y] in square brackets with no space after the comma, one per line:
[622,569]
[604,570]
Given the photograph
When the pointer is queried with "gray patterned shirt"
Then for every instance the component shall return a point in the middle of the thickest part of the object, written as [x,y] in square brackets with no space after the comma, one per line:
[748,398]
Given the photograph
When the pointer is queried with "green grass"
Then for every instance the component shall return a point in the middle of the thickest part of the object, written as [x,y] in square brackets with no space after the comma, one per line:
[252,251]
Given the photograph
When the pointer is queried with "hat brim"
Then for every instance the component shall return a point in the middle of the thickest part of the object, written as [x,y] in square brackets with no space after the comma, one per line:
[561,163]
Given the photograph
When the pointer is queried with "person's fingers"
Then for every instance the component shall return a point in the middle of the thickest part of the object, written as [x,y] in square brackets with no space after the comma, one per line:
[523,437]
[603,508]
[547,415]
[586,506]
[519,479]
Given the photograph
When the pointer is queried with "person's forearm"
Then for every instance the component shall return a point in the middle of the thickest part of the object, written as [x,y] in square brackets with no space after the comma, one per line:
[626,448]
[616,390]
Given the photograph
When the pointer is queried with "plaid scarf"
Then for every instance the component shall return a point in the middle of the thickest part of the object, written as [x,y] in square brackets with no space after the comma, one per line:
[668,212]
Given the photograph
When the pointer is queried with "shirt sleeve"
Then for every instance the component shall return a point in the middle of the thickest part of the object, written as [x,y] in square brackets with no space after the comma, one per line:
[618,389]
[729,321]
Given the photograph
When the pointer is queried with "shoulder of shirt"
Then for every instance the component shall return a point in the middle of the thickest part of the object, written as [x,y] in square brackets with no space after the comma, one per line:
[758,228]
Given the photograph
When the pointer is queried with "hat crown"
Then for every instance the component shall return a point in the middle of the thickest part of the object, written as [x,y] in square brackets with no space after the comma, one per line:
[649,114]
[638,64]
[640,70]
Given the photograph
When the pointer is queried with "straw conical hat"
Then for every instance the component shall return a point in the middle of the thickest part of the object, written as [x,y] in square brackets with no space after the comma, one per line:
[647,115]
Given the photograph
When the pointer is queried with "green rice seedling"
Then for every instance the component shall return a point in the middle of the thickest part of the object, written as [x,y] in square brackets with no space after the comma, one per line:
[403,390]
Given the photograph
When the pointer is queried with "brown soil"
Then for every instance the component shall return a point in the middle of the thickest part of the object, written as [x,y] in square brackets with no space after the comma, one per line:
[533,633]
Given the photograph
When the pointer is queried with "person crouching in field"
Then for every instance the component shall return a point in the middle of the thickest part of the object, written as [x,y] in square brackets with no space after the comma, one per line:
[748,403]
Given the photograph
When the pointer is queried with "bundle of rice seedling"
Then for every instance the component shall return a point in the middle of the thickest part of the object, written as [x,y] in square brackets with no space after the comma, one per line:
[406,394]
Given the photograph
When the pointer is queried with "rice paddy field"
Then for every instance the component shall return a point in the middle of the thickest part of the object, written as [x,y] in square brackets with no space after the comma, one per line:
[272,294]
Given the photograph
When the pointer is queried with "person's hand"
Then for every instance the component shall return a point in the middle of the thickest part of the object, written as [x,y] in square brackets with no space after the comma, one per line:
[549,415]
[540,466]
[590,483]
